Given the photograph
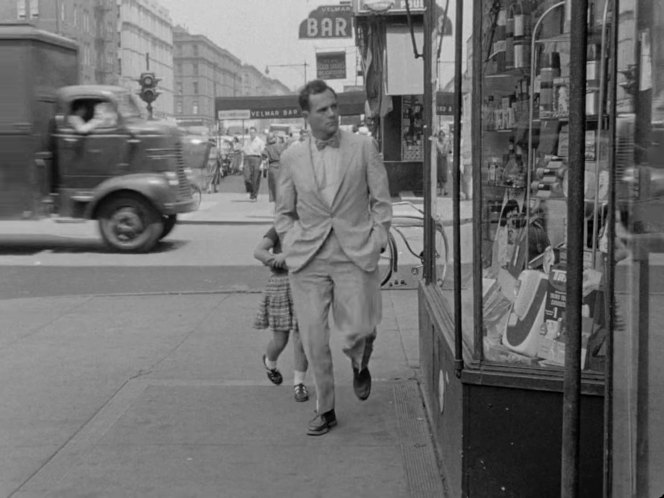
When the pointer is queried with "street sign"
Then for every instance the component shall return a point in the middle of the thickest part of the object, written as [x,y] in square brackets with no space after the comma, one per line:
[331,65]
[328,21]
[398,7]
[234,114]
[395,6]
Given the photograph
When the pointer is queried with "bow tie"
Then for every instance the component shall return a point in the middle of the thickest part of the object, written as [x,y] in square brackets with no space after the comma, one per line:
[330,142]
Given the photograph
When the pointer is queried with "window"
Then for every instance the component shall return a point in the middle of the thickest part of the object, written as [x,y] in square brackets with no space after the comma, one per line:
[195,68]
[21,9]
[34,9]
[178,68]
[194,107]
[128,106]
[179,88]
[178,107]
[195,49]
[195,87]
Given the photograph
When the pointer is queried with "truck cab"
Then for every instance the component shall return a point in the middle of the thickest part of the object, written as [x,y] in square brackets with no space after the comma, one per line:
[84,151]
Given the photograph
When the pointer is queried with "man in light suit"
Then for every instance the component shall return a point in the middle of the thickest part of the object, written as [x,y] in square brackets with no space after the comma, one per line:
[333,213]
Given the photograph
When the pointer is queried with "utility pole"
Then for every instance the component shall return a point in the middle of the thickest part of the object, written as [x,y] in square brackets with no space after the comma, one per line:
[57,17]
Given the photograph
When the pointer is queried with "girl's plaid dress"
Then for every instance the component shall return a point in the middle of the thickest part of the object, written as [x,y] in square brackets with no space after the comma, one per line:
[275,309]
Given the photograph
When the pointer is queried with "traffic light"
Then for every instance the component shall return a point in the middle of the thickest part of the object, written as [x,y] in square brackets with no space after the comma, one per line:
[148,91]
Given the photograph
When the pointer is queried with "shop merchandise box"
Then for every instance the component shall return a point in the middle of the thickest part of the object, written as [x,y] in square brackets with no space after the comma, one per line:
[524,324]
[554,330]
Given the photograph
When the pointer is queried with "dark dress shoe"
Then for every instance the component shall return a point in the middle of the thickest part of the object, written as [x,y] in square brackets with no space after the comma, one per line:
[362,383]
[322,423]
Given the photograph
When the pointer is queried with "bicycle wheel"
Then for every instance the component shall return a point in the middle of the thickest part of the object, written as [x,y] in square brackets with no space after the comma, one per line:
[387,263]
[441,255]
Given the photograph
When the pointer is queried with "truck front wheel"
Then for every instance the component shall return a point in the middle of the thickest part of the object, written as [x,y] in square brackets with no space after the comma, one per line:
[169,224]
[129,223]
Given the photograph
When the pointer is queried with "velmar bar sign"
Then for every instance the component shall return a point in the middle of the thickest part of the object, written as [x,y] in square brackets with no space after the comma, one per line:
[331,65]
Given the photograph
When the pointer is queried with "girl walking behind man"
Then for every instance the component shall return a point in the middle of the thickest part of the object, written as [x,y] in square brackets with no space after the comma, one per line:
[276,312]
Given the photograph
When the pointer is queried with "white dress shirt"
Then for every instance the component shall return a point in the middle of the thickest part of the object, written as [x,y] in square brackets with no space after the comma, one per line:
[326,167]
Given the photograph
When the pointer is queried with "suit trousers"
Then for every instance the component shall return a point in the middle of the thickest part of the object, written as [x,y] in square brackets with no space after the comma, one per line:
[332,282]
[272,173]
[252,175]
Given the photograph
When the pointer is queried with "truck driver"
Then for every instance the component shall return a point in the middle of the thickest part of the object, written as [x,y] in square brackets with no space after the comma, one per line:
[103,115]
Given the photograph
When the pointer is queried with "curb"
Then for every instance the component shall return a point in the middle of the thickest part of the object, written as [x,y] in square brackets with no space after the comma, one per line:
[266,221]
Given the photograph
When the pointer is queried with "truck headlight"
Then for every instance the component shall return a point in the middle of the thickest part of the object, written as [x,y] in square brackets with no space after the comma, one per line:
[172,178]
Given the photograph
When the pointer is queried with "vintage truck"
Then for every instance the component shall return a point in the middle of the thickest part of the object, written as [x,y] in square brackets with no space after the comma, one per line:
[128,173]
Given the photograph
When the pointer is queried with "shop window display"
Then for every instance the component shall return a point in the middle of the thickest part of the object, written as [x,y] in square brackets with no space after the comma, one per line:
[524,165]
[412,145]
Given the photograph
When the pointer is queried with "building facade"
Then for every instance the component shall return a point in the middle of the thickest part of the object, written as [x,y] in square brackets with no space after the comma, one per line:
[256,84]
[91,23]
[202,72]
[146,44]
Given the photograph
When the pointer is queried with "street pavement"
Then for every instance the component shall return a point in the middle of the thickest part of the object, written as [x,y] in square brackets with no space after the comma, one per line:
[144,392]
[211,248]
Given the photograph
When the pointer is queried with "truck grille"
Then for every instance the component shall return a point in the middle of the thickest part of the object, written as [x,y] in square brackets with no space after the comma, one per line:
[184,189]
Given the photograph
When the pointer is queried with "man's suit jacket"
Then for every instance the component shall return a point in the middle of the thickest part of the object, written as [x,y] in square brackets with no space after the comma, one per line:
[361,209]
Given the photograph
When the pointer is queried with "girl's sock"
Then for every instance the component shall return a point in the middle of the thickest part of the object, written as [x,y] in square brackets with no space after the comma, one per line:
[270,364]
[298,377]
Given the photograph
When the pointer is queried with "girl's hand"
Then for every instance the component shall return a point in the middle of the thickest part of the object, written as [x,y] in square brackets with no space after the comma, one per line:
[279,261]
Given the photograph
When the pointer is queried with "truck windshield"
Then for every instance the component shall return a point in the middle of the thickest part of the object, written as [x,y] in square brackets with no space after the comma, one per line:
[127,106]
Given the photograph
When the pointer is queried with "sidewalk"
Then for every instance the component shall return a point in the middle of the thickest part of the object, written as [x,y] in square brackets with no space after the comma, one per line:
[164,396]
[232,206]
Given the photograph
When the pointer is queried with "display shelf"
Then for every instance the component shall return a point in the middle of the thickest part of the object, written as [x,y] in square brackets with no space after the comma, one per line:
[503,186]
[514,73]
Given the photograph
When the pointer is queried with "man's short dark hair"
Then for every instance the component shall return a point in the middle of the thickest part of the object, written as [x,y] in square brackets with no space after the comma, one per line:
[314,87]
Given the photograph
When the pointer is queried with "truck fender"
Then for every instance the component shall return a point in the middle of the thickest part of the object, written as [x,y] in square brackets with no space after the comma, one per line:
[152,186]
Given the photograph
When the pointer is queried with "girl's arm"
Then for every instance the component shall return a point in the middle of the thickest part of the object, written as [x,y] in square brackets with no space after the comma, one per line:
[262,252]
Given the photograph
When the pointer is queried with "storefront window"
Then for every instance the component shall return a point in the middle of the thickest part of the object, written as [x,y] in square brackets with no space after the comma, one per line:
[412,126]
[443,167]
[523,172]
[637,441]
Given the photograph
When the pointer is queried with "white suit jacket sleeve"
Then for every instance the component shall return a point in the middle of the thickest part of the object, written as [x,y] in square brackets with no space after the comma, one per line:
[379,192]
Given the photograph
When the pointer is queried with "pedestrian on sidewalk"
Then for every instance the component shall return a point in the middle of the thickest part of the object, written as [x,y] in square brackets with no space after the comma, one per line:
[272,156]
[332,214]
[253,151]
[236,157]
[442,151]
[276,312]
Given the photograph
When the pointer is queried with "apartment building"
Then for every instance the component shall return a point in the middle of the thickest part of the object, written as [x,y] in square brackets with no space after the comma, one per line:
[202,71]
[256,83]
[146,44]
[91,23]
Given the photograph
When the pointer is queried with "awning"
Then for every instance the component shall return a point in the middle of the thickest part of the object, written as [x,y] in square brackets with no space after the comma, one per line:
[281,106]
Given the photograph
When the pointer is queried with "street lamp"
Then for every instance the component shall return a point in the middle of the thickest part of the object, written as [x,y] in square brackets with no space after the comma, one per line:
[304,65]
